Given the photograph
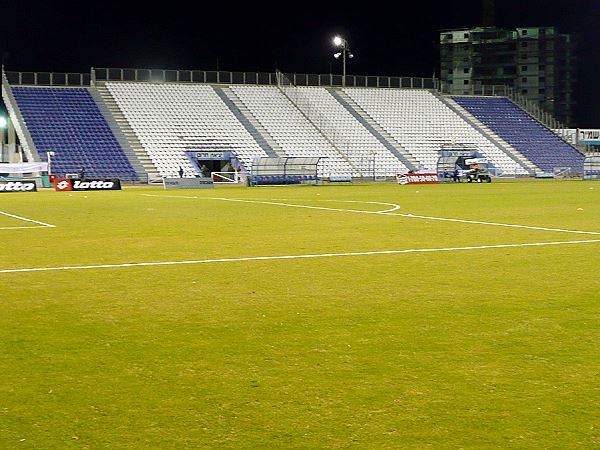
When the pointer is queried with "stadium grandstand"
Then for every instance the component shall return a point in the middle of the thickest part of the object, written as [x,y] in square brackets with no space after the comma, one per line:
[143,125]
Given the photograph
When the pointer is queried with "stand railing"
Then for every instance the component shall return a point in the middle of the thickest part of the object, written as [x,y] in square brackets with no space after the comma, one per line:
[213,77]
[48,79]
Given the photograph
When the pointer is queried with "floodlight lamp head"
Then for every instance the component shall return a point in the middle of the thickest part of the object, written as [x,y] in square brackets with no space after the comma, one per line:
[3,122]
[338,41]
[51,154]
[337,55]
[350,55]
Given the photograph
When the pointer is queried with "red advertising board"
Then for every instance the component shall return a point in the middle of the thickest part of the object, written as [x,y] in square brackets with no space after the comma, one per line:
[417,178]
[63,184]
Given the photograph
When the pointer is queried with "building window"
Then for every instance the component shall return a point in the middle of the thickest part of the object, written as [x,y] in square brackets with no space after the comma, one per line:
[450,71]
[542,91]
[523,44]
[466,70]
[466,36]
[542,79]
[524,68]
[466,82]
[448,36]
[524,32]
[524,91]
[524,79]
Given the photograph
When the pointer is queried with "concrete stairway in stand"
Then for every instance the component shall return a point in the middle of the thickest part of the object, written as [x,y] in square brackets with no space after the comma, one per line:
[133,148]
[250,123]
[506,148]
[375,129]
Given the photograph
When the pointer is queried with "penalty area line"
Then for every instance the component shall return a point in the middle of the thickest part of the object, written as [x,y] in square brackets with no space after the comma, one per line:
[390,212]
[289,257]
[394,206]
[43,224]
[413,216]
[22,228]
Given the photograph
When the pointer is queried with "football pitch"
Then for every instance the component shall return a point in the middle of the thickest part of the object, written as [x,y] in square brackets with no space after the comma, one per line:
[355,316]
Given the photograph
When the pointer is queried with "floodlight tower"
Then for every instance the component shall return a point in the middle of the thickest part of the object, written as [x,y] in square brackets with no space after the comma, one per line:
[344,52]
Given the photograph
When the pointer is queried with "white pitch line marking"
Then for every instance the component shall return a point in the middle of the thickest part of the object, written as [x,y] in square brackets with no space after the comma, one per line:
[394,206]
[498,224]
[28,220]
[389,213]
[414,216]
[168,196]
[21,228]
[323,208]
[289,257]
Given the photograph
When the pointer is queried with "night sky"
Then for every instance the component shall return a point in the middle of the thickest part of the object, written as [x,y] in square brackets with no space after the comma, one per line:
[292,36]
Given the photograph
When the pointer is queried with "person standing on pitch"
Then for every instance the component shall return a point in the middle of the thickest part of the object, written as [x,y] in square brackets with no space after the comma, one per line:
[180,172]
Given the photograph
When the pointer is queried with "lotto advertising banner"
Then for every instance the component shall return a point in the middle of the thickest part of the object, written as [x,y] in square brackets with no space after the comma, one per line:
[68,184]
[17,186]
[417,178]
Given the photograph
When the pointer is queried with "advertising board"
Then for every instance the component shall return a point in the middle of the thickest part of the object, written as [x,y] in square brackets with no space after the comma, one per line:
[18,186]
[417,178]
[69,184]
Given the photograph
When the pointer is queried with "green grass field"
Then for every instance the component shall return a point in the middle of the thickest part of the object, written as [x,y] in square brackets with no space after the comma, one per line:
[490,347]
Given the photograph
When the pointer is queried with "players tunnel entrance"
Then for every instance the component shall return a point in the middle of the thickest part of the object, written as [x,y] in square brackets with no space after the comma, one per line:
[211,160]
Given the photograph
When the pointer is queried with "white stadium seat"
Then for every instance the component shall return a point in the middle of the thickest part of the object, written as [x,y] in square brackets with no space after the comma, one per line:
[424,125]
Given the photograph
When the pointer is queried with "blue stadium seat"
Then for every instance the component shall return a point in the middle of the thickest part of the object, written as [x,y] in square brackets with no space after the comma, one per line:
[68,122]
[536,142]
